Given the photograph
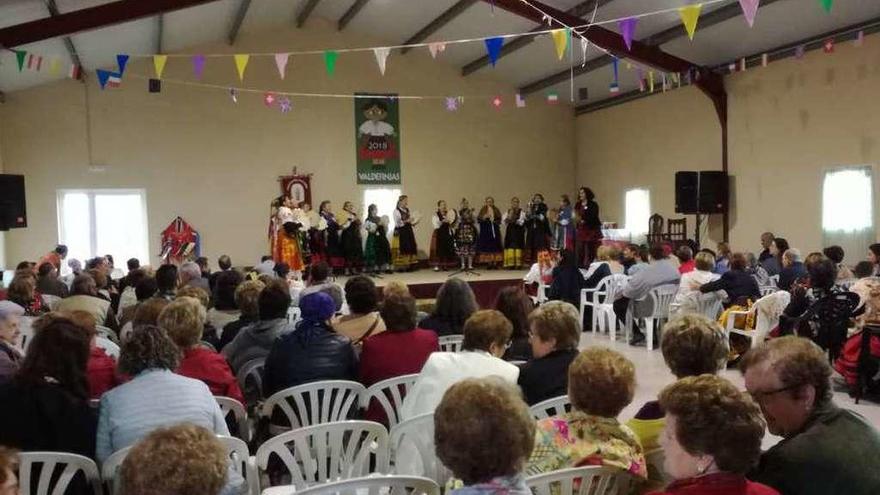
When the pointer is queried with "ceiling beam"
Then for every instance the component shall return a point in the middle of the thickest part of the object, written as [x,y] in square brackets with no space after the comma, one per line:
[160,32]
[305,12]
[68,43]
[582,10]
[441,20]
[100,16]
[350,13]
[238,20]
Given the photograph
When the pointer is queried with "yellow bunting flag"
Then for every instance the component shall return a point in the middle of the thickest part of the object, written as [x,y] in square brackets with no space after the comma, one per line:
[159,64]
[690,14]
[55,66]
[651,81]
[241,61]
[560,39]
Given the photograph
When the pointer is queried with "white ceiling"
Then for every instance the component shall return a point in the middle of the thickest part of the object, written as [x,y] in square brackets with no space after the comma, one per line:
[783,22]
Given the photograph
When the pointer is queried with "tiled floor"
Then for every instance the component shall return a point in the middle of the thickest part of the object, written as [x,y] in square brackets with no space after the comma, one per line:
[652,375]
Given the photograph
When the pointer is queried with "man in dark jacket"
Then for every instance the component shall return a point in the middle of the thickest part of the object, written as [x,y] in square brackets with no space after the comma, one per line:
[793,269]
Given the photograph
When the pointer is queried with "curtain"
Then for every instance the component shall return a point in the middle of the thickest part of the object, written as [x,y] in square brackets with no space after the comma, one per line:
[848,211]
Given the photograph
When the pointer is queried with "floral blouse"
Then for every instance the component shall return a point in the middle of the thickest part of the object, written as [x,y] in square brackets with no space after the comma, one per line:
[503,485]
[578,439]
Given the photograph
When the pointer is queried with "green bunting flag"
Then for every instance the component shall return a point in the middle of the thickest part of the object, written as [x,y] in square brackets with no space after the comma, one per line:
[20,55]
[330,57]
[827,4]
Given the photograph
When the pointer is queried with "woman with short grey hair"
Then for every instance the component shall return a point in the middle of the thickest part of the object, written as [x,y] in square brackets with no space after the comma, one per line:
[10,335]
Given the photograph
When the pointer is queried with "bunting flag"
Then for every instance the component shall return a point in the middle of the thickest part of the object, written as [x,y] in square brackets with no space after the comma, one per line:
[628,30]
[20,56]
[381,57]
[436,48]
[198,62]
[827,5]
[742,64]
[553,97]
[55,66]
[154,86]
[799,52]
[497,102]
[731,67]
[520,101]
[269,99]
[284,104]
[584,45]
[233,94]
[651,81]
[561,38]
[765,60]
[103,77]
[330,57]
[664,82]
[750,10]
[828,46]
[641,75]
[493,48]
[281,63]
[159,64]
[690,14]
[615,86]
[34,62]
[75,71]
[452,103]
[860,39]
[121,62]
[241,61]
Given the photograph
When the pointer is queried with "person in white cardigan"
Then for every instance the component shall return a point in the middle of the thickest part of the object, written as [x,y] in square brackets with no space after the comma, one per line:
[486,335]
[688,296]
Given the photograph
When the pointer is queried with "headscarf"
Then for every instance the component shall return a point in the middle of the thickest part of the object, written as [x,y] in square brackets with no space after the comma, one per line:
[315,309]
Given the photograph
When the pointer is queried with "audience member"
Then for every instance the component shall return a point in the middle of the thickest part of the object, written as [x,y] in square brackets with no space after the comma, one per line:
[712,438]
[606,264]
[54,257]
[486,334]
[147,314]
[688,296]
[874,257]
[484,411]
[225,265]
[247,296]
[736,282]
[773,264]
[166,282]
[191,275]
[824,449]
[210,334]
[10,336]
[568,280]
[23,291]
[101,368]
[629,257]
[516,306]
[863,269]
[659,272]
[84,297]
[8,469]
[142,288]
[686,256]
[363,320]
[756,270]
[554,334]
[793,269]
[319,281]
[601,382]
[224,310]
[766,241]
[255,341]
[48,282]
[455,304]
[722,260]
[836,254]
[643,259]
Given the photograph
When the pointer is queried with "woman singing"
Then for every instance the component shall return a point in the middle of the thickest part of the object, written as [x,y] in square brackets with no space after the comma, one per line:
[489,247]
[514,235]
[332,242]
[537,228]
[589,227]
[377,254]
[442,241]
[352,248]
[288,222]
[403,246]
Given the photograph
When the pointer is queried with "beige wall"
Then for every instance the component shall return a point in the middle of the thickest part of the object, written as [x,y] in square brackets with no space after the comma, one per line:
[788,122]
[215,163]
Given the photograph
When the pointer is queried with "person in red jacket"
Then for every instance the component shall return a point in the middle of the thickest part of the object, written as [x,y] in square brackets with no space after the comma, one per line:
[401,350]
[101,368]
[184,320]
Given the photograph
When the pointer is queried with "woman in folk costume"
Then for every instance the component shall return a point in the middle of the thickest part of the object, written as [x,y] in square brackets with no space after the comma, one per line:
[589,227]
[489,244]
[443,240]
[332,242]
[563,230]
[352,243]
[514,235]
[286,246]
[377,254]
[403,245]
[314,236]
[466,238]
[537,228]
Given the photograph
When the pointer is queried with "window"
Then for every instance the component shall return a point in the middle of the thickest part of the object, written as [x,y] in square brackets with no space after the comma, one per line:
[848,210]
[104,221]
[637,209]
[385,201]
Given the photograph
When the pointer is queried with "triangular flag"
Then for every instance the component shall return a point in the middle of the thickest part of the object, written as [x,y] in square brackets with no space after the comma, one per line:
[828,46]
[241,61]
[560,40]
[765,60]
[731,67]
[55,66]
[198,62]
[159,64]
[628,30]
[381,56]
[860,39]
[615,85]
[799,52]
[330,57]
[493,48]
[743,64]
[121,62]
[281,63]
[641,75]
[827,4]
[103,76]
[20,55]
[436,47]
[690,14]
[750,10]
[584,45]
[651,81]
[520,102]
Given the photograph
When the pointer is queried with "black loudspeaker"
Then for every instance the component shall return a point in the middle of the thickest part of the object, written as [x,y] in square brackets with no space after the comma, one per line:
[686,192]
[713,191]
[13,213]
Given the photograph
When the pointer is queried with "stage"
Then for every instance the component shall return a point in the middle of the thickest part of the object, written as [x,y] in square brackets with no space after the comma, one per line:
[423,284]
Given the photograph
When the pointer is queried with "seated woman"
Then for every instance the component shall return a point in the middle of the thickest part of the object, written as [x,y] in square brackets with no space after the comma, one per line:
[210,333]
[486,334]
[477,412]
[8,468]
[10,336]
[554,334]
[567,280]
[516,306]
[256,340]
[142,290]
[225,310]
[84,297]
[246,296]
[101,369]
[601,382]
[737,282]
[606,264]
[686,299]
[45,407]
[756,270]
[712,438]
[692,345]
[722,260]
[23,291]
[363,320]
[184,320]
[455,304]
[147,314]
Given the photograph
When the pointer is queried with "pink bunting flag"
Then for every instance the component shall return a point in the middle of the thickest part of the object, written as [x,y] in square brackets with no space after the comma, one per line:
[750,10]
[198,62]
[628,30]
[860,39]
[281,63]
[436,47]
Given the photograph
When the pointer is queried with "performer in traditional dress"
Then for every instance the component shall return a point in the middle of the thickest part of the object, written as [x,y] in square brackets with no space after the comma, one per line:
[286,244]
[489,247]
[403,245]
[466,238]
[514,235]
[443,239]
[315,235]
[464,205]
[589,227]
[537,229]
[563,230]
[332,242]
[352,243]
[377,254]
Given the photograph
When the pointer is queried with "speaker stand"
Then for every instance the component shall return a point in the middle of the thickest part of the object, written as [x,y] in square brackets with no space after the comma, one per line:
[697,231]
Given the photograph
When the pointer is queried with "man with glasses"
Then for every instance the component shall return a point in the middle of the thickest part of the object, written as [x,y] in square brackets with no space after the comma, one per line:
[824,449]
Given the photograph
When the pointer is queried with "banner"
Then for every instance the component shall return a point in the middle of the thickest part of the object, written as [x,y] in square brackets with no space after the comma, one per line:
[377,138]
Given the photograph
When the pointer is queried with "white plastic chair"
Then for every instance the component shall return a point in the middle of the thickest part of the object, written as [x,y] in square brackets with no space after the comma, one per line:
[451,343]
[764,323]
[594,480]
[314,403]
[600,294]
[107,333]
[556,406]
[51,481]
[412,442]
[389,394]
[250,379]
[329,452]
[660,297]
[541,293]
[110,347]
[51,301]
[229,406]
[110,469]
[603,312]
[709,305]
[371,485]
[774,280]
[26,328]
[767,290]
[242,462]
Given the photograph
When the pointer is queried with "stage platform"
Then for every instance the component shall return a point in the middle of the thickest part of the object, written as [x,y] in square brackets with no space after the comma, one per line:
[423,284]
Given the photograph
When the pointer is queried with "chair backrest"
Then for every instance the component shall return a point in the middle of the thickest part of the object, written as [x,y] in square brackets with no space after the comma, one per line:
[376,485]
[240,461]
[110,469]
[51,301]
[389,394]
[56,471]
[655,224]
[709,305]
[26,328]
[110,347]
[556,406]
[676,229]
[412,442]
[655,460]
[608,287]
[774,280]
[315,403]
[662,296]
[250,379]
[107,333]
[229,406]
[451,343]
[768,289]
[767,310]
[592,480]
[329,452]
